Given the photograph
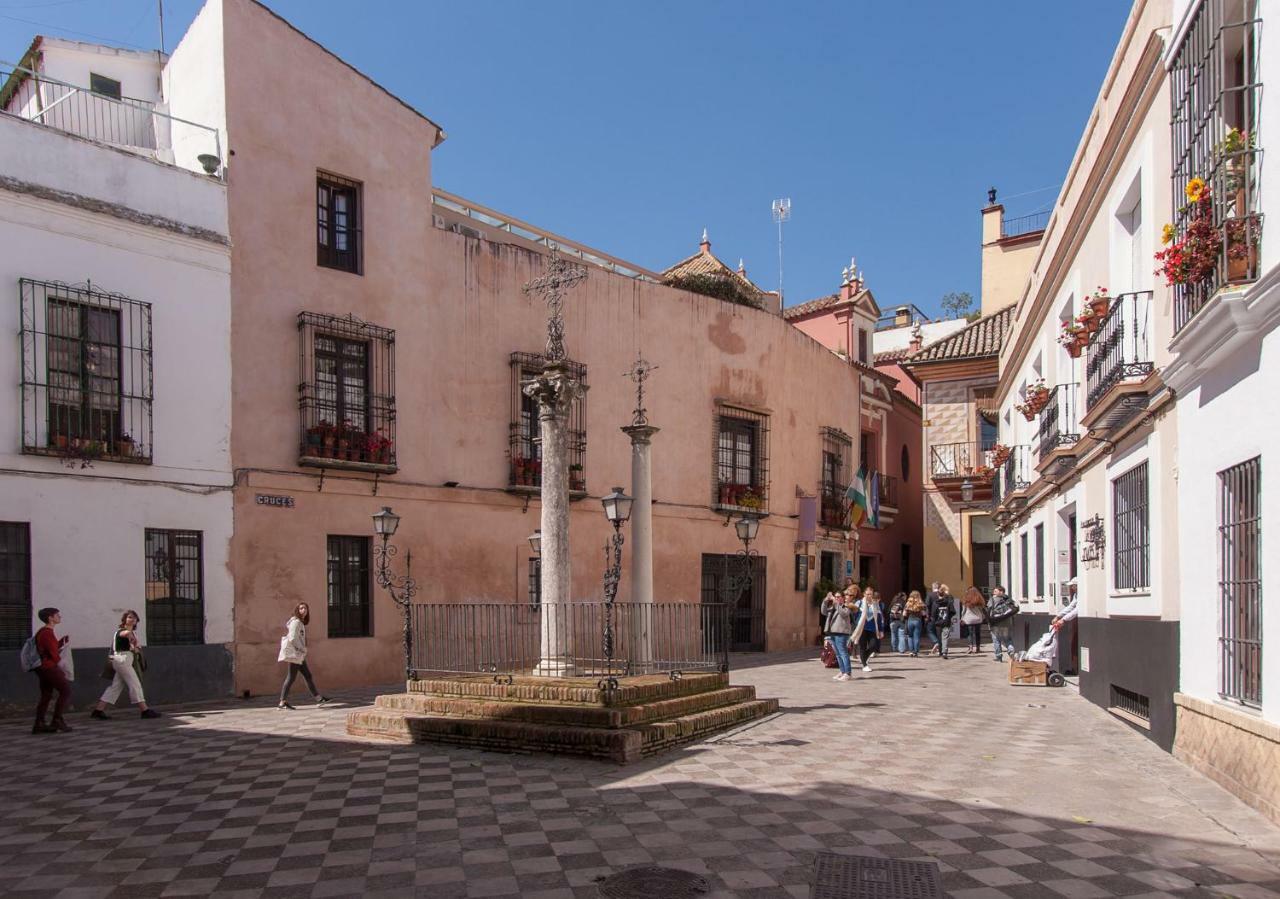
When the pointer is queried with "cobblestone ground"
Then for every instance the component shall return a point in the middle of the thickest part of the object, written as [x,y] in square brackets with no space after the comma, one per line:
[1014,791]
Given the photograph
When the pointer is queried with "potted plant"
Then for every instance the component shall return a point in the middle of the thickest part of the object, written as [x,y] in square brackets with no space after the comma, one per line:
[1099,303]
[378,447]
[1242,247]
[750,499]
[1193,257]
[124,445]
[1038,395]
[60,441]
[1000,454]
[984,472]
[577,478]
[1234,154]
[1074,338]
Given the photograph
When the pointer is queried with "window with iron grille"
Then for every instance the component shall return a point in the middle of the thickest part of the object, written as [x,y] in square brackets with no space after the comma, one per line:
[346,393]
[349,605]
[741,474]
[837,450]
[1130,702]
[15,583]
[86,373]
[535,582]
[1131,523]
[1040,560]
[174,565]
[525,431]
[1214,98]
[1026,566]
[338,224]
[1240,581]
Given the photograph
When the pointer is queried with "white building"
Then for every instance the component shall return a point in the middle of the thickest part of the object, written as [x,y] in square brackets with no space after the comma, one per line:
[1225,368]
[115,478]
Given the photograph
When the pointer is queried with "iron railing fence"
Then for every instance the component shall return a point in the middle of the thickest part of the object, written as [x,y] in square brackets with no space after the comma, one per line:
[568,639]
[1024,224]
[120,121]
[834,505]
[959,460]
[1240,582]
[1059,424]
[1017,469]
[1121,349]
[1131,702]
[346,393]
[87,377]
[888,490]
[1214,100]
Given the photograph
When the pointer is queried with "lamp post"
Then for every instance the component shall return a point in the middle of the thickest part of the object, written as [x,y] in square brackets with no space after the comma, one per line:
[747,526]
[617,508]
[966,491]
[401,588]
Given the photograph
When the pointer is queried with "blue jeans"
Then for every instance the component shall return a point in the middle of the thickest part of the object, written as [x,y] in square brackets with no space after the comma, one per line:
[931,630]
[897,636]
[841,644]
[1002,638]
[914,626]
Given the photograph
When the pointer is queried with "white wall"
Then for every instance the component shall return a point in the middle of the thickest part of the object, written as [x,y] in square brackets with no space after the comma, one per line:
[87,525]
[195,86]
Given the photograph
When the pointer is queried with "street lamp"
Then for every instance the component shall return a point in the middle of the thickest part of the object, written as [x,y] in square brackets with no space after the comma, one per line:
[535,542]
[732,588]
[401,588]
[966,491]
[617,508]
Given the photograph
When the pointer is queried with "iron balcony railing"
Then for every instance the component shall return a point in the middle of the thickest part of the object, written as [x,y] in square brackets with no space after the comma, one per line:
[1024,224]
[1121,348]
[888,490]
[1017,470]
[959,460]
[568,639]
[1059,425]
[835,505]
[120,121]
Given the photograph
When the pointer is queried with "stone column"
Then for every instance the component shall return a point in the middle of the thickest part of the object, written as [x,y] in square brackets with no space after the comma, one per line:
[555,390]
[641,538]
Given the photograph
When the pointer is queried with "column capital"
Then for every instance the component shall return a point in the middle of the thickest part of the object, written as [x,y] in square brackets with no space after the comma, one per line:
[640,434]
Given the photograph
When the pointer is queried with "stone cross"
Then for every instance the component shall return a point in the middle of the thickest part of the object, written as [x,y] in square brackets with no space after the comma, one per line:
[639,373]
[561,277]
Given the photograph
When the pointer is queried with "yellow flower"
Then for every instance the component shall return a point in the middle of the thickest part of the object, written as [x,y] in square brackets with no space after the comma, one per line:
[1167,235]
[1195,189]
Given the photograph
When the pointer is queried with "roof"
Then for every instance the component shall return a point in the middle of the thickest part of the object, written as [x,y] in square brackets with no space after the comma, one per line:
[823,303]
[704,262]
[979,340]
[889,356]
[888,340]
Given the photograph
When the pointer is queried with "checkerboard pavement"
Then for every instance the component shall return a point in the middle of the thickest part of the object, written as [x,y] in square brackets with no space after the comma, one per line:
[1014,791]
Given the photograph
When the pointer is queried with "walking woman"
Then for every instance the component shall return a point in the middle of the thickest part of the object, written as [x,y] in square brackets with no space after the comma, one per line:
[293,649]
[898,624]
[871,627]
[915,611]
[125,659]
[838,627]
[973,611]
[52,677]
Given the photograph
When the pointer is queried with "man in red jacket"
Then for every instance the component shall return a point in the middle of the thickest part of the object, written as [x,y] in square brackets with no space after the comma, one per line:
[51,675]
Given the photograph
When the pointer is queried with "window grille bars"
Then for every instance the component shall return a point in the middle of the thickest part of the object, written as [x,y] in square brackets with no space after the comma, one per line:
[525,431]
[15,583]
[1131,702]
[349,587]
[740,461]
[174,566]
[1131,523]
[346,393]
[1059,425]
[1240,582]
[837,452]
[87,377]
[1121,349]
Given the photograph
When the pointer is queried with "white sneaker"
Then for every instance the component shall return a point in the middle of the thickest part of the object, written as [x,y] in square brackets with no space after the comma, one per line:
[838,677]
[866,667]
[843,677]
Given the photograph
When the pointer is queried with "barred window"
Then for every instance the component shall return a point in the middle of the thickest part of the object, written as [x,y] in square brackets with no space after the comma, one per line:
[1132,528]
[535,581]
[15,583]
[349,587]
[1040,561]
[1240,581]
[346,393]
[338,223]
[837,452]
[741,474]
[86,373]
[525,431]
[1026,567]
[174,565]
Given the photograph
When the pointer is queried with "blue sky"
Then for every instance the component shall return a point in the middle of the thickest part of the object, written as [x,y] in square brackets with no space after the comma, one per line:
[630,127]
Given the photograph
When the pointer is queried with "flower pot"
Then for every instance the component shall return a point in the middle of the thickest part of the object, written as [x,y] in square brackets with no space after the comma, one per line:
[1099,306]
[1239,266]
[124,448]
[60,441]
[1074,349]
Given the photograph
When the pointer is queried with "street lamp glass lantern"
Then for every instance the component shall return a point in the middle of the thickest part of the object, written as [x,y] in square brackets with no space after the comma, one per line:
[535,542]
[386,522]
[747,526]
[617,506]
[966,491]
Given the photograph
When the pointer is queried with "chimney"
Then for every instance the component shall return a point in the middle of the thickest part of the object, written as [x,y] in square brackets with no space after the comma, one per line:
[992,219]
[705,246]
[917,340]
[901,317]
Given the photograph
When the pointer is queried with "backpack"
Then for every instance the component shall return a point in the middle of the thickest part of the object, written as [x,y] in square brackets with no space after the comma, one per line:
[942,613]
[1002,608]
[29,656]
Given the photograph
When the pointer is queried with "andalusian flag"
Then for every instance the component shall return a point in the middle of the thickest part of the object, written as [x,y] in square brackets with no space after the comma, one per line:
[857,496]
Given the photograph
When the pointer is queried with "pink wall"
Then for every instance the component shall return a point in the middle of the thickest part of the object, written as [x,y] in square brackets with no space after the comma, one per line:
[458,312]
[901,427]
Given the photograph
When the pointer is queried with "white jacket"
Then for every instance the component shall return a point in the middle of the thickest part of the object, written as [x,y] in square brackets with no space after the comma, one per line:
[293,645]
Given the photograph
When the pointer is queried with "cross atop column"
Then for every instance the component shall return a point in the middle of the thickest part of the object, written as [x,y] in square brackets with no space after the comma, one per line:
[561,277]
[639,372]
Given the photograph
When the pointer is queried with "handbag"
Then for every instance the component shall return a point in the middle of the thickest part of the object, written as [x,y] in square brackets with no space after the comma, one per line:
[108,670]
[828,654]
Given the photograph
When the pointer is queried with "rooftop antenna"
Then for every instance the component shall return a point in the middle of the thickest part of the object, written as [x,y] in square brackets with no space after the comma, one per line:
[781,214]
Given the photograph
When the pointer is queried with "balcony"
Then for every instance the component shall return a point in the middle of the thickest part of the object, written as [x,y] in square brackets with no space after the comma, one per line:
[122,122]
[834,508]
[888,500]
[1120,372]
[1059,431]
[1022,225]
[1015,478]
[959,467]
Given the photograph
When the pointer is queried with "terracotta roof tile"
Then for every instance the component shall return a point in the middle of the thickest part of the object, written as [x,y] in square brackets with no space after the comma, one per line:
[981,339]
[810,307]
[701,263]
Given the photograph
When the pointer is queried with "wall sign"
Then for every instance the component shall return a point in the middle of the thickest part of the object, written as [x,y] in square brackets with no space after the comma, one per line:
[267,499]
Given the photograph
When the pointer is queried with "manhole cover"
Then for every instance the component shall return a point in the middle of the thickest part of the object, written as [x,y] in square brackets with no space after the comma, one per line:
[650,881]
[861,877]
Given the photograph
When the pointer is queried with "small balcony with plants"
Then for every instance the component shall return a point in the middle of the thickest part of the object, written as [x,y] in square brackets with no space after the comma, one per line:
[1060,432]
[963,472]
[1120,375]
[1014,474]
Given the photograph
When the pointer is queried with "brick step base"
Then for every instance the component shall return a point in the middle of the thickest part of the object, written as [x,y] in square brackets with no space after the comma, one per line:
[618,744]
[632,690]
[571,715]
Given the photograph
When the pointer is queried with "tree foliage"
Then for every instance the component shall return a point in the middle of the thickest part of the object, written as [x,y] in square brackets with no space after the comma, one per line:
[958,305]
[722,287]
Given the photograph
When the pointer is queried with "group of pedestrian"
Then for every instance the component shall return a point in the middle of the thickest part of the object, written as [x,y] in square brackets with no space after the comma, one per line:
[850,619]
[46,655]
